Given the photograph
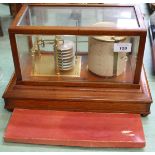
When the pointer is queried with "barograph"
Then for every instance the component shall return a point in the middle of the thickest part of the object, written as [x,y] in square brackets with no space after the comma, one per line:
[78,57]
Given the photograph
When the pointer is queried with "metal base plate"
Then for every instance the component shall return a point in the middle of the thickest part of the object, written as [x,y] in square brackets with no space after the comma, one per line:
[44,65]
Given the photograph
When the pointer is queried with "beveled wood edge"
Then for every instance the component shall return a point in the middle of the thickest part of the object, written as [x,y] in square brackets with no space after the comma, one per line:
[10,105]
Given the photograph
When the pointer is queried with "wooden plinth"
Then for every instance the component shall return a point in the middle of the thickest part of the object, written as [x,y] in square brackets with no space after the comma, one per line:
[96,99]
[83,129]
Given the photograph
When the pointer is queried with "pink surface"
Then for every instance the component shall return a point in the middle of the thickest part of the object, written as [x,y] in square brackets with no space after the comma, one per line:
[84,129]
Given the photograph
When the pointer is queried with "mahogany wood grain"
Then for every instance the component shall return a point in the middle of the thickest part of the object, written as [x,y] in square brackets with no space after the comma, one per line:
[79,98]
[15,55]
[83,129]
[140,57]
[53,30]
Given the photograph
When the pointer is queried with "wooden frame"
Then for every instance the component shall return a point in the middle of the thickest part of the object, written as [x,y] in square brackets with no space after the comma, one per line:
[141,31]
[14,100]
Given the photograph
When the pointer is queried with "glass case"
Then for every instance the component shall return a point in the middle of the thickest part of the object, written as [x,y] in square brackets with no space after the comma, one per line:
[77,58]
[84,55]
[84,43]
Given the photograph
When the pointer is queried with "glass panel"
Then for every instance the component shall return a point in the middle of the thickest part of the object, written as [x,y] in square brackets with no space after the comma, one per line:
[80,16]
[78,58]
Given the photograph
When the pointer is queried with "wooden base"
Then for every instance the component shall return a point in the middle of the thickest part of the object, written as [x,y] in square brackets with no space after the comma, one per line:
[94,99]
[85,129]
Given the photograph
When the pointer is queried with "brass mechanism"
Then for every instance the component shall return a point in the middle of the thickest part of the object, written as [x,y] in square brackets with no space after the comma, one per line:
[62,63]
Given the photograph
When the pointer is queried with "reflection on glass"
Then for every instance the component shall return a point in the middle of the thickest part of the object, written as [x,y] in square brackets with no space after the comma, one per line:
[77,58]
[78,16]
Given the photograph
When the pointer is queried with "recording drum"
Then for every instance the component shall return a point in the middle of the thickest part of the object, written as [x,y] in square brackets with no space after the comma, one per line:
[102,60]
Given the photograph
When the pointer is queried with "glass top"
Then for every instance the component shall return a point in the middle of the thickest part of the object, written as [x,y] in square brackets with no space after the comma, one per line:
[120,17]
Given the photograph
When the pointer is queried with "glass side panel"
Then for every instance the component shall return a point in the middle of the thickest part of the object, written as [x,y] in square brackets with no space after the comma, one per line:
[80,16]
[71,58]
